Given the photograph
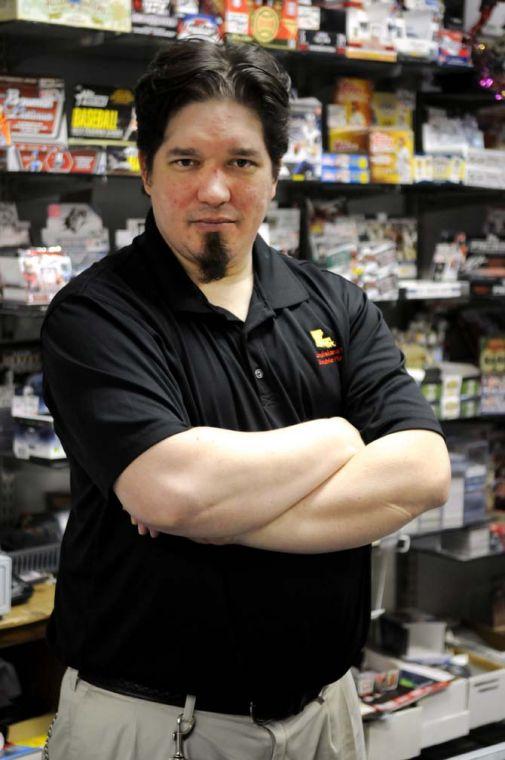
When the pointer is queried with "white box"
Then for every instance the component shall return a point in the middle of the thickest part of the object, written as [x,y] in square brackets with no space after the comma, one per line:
[5,583]
[445,715]
[486,691]
[395,737]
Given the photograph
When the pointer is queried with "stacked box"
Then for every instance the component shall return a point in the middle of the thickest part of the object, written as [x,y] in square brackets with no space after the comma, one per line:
[303,158]
[391,154]
[33,275]
[273,24]
[345,167]
[154,18]
[371,32]
[114,16]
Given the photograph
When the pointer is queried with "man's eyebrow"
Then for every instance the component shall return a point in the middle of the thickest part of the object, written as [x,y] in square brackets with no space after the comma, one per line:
[193,153]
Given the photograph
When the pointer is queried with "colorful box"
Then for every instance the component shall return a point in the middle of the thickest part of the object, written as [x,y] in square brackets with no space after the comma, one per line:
[270,25]
[371,32]
[32,110]
[103,114]
[391,154]
[34,275]
[114,16]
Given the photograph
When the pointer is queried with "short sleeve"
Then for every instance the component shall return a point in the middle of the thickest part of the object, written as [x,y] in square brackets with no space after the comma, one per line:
[380,395]
[111,388]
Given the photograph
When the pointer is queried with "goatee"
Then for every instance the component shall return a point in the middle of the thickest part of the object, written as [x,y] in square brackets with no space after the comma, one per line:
[215,258]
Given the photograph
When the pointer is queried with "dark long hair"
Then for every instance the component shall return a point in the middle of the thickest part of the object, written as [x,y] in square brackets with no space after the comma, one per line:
[187,71]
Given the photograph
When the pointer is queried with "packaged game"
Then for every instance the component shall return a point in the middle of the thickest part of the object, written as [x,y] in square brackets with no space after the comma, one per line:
[303,158]
[34,275]
[114,16]
[33,109]
[103,114]
[454,48]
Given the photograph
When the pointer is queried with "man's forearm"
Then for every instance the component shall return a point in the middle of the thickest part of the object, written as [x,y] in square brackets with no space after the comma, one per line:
[377,492]
[227,482]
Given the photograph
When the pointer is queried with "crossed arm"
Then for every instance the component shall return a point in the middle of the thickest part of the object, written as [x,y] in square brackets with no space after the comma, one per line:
[308,488]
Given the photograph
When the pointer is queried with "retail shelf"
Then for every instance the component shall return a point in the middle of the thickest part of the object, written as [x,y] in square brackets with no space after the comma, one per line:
[22,310]
[457,557]
[34,418]
[53,37]
[288,184]
[54,464]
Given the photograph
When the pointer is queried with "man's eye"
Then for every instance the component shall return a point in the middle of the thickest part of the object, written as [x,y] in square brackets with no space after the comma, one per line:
[184,162]
[243,163]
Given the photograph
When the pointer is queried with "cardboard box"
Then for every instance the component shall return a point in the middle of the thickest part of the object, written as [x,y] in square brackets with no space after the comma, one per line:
[33,109]
[348,140]
[370,32]
[397,736]
[34,275]
[270,25]
[91,14]
[391,155]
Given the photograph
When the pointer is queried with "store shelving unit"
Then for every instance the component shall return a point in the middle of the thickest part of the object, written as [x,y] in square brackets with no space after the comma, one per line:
[102,57]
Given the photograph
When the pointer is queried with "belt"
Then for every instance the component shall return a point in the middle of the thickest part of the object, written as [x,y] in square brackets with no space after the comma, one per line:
[260,711]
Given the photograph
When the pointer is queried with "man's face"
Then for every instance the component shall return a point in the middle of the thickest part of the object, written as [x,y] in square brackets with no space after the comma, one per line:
[210,185]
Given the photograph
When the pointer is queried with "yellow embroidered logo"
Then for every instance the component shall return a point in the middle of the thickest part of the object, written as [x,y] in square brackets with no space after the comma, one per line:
[321,341]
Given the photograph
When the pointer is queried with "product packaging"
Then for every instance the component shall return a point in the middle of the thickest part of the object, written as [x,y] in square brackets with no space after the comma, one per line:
[114,16]
[391,153]
[303,158]
[33,109]
[270,24]
[34,275]
[102,114]
[78,229]
[371,32]
[13,233]
[154,18]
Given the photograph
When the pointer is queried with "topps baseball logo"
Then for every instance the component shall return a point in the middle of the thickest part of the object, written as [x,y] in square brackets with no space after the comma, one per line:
[330,352]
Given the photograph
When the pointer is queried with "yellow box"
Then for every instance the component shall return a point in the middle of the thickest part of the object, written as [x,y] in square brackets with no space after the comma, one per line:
[348,140]
[113,15]
[391,155]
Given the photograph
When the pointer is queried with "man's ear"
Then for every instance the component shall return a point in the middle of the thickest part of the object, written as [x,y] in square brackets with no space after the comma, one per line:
[145,173]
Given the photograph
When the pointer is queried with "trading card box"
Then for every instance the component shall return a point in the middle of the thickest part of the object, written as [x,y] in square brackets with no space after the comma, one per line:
[33,109]
[107,15]
[103,114]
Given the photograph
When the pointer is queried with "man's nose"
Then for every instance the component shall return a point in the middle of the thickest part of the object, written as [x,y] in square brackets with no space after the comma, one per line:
[213,188]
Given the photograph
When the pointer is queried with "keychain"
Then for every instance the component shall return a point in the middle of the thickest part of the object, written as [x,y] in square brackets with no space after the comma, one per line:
[185,724]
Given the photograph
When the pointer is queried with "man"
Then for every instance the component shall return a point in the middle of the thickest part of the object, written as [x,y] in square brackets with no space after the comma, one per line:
[253,413]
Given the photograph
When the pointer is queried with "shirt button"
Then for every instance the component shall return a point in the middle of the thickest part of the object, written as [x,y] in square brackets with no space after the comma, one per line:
[258,373]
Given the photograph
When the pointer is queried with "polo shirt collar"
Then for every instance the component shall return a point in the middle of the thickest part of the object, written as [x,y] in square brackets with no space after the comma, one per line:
[277,284]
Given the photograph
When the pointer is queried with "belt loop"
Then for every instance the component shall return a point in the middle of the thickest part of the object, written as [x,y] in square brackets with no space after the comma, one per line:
[73,678]
[189,708]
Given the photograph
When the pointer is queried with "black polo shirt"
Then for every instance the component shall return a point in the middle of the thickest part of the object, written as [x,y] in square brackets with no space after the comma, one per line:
[133,353]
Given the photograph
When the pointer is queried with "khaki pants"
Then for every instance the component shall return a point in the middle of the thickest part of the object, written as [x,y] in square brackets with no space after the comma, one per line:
[95,724]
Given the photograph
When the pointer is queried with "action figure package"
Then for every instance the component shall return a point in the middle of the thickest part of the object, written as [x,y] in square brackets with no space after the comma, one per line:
[107,15]
[56,159]
[34,275]
[13,233]
[271,24]
[78,229]
[391,154]
[103,114]
[154,18]
[303,158]
[33,110]
[284,229]
[371,32]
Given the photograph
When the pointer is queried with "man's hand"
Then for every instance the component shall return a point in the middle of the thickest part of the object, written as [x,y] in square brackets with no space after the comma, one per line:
[143,529]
